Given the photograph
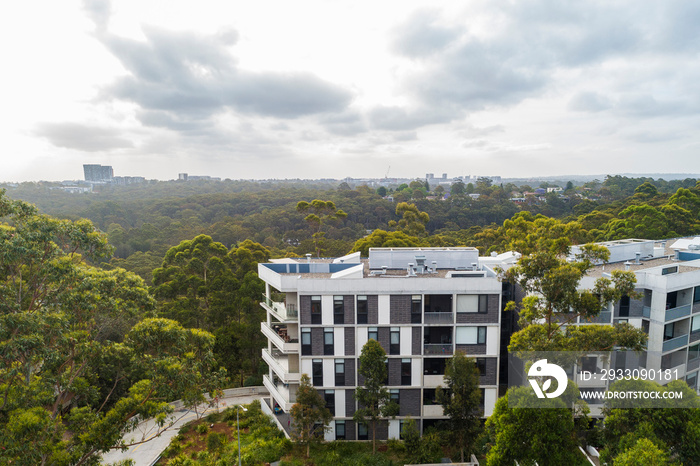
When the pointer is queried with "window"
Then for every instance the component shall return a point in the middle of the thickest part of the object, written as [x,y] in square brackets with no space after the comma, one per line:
[668,330]
[405,372]
[671,299]
[329,396]
[394,396]
[340,430]
[338,310]
[471,335]
[362,432]
[416,309]
[317,372]
[669,270]
[625,306]
[693,353]
[362,309]
[692,380]
[401,425]
[372,333]
[434,366]
[645,326]
[340,372]
[328,342]
[315,309]
[306,342]
[696,295]
[695,325]
[429,397]
[394,342]
[481,366]
[472,303]
[589,364]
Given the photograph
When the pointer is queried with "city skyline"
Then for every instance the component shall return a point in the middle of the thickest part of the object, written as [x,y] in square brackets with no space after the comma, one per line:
[350,89]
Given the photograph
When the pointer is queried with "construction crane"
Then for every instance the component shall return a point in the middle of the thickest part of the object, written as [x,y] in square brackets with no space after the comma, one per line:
[387,172]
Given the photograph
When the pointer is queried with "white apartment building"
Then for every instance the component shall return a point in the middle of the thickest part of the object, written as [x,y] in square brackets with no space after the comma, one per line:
[421,304]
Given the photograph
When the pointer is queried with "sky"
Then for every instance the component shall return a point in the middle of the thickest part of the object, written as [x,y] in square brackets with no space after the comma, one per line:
[336,88]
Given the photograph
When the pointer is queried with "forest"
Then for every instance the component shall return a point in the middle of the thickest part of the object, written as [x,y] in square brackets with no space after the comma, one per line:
[128,271]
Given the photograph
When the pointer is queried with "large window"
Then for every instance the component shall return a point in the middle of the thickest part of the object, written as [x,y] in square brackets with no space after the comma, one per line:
[372,333]
[306,342]
[696,295]
[394,394]
[315,309]
[340,430]
[405,372]
[362,309]
[625,306]
[416,309]
[472,303]
[339,372]
[328,342]
[695,324]
[362,432]
[338,310]
[395,341]
[317,372]
[481,366]
[434,366]
[329,396]
[693,352]
[470,335]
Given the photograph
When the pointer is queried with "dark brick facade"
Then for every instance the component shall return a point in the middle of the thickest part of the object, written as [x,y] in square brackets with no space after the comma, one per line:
[349,403]
[305,310]
[350,429]
[416,341]
[489,317]
[350,372]
[471,349]
[372,309]
[636,309]
[491,371]
[317,341]
[394,372]
[400,309]
[349,341]
[349,309]
[383,336]
[410,402]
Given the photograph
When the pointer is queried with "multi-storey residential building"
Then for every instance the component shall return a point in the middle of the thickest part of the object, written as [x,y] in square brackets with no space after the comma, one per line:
[421,304]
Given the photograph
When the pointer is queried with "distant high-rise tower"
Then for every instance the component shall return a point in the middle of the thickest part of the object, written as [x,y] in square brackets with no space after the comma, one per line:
[98,173]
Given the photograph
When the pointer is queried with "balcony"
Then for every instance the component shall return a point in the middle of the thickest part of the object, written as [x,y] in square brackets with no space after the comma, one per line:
[677,312]
[280,339]
[280,366]
[602,318]
[438,318]
[646,311]
[433,411]
[437,348]
[282,312]
[281,394]
[675,343]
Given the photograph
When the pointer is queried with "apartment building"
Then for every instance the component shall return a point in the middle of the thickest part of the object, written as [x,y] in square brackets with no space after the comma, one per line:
[421,304]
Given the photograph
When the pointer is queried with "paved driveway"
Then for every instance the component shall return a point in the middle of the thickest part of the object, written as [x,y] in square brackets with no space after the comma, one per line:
[145,454]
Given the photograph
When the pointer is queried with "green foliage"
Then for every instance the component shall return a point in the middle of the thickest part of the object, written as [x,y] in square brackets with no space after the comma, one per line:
[374,400]
[320,213]
[384,239]
[310,417]
[461,400]
[643,453]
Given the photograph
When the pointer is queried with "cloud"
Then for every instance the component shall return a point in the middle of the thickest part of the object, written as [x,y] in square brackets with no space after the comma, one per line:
[196,76]
[82,137]
[394,118]
[99,11]
[422,35]
[589,102]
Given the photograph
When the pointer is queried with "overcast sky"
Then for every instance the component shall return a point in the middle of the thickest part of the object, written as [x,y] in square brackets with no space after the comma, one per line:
[336,88]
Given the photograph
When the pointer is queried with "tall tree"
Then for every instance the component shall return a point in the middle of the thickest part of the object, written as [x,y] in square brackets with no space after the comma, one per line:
[310,417]
[319,213]
[461,400]
[375,404]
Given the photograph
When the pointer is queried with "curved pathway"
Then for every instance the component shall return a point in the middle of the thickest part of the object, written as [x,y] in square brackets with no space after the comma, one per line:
[156,439]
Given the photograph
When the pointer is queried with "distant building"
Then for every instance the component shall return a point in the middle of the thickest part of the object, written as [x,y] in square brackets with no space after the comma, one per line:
[182,176]
[124,180]
[98,173]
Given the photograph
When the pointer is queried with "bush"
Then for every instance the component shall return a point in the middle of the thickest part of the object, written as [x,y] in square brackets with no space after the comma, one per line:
[201,428]
[215,442]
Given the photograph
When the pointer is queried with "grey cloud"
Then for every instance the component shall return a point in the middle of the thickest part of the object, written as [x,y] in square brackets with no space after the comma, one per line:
[196,76]
[99,11]
[589,102]
[647,106]
[421,35]
[400,119]
[82,137]
[348,123]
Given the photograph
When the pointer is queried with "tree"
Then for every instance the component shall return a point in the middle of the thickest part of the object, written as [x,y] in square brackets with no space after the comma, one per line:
[74,374]
[555,300]
[310,417]
[412,221]
[384,239]
[643,453]
[375,403]
[522,433]
[461,400]
[381,191]
[321,212]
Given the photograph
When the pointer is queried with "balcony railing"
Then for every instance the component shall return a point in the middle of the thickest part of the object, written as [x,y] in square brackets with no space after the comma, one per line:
[678,312]
[282,311]
[280,394]
[439,348]
[280,341]
[438,318]
[281,367]
[646,311]
[602,318]
[675,343]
